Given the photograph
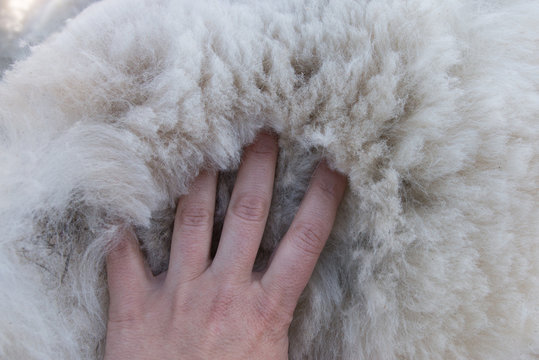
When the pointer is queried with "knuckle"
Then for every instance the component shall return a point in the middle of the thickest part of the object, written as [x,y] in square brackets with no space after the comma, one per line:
[272,317]
[223,304]
[195,216]
[130,312]
[183,303]
[271,312]
[308,238]
[266,146]
[327,187]
[120,252]
[250,207]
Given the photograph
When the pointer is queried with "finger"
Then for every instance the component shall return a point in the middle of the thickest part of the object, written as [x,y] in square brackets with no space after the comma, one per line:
[127,272]
[191,237]
[300,248]
[248,209]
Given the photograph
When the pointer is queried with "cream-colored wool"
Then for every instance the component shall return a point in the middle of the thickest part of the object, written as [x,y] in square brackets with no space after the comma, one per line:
[431,107]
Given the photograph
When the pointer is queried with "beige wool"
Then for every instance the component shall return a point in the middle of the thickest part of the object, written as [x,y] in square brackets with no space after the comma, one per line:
[430,107]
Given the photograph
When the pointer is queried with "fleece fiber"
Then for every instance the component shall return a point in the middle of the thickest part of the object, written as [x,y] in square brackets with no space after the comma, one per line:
[430,107]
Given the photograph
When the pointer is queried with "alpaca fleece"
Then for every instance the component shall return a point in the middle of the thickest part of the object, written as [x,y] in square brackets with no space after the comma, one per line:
[430,107]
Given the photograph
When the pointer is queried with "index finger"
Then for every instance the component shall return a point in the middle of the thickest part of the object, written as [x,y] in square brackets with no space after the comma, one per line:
[299,250]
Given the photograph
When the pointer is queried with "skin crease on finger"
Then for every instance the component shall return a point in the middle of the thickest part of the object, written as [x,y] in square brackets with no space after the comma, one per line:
[202,308]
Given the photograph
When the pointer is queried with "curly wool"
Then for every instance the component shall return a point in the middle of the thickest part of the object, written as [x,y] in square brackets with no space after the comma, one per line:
[430,108]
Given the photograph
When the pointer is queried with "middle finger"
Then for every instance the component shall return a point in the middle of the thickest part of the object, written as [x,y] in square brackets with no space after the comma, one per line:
[248,209]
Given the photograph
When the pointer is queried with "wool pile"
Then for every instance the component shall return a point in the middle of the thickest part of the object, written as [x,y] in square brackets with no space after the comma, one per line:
[430,108]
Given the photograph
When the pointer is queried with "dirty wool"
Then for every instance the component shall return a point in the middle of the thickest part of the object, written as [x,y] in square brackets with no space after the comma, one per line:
[430,107]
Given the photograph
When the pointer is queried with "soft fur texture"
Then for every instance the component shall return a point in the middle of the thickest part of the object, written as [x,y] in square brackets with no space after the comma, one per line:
[430,107]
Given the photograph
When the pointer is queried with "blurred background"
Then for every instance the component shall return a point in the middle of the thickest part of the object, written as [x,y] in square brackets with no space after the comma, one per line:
[24,23]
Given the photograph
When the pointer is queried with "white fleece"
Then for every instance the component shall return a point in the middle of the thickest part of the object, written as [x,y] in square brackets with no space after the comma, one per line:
[431,108]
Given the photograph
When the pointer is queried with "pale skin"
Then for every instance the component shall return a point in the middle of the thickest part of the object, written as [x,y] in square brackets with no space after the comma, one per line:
[220,309]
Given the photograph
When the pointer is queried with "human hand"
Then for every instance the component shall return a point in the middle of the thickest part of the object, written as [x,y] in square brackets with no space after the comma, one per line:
[220,309]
